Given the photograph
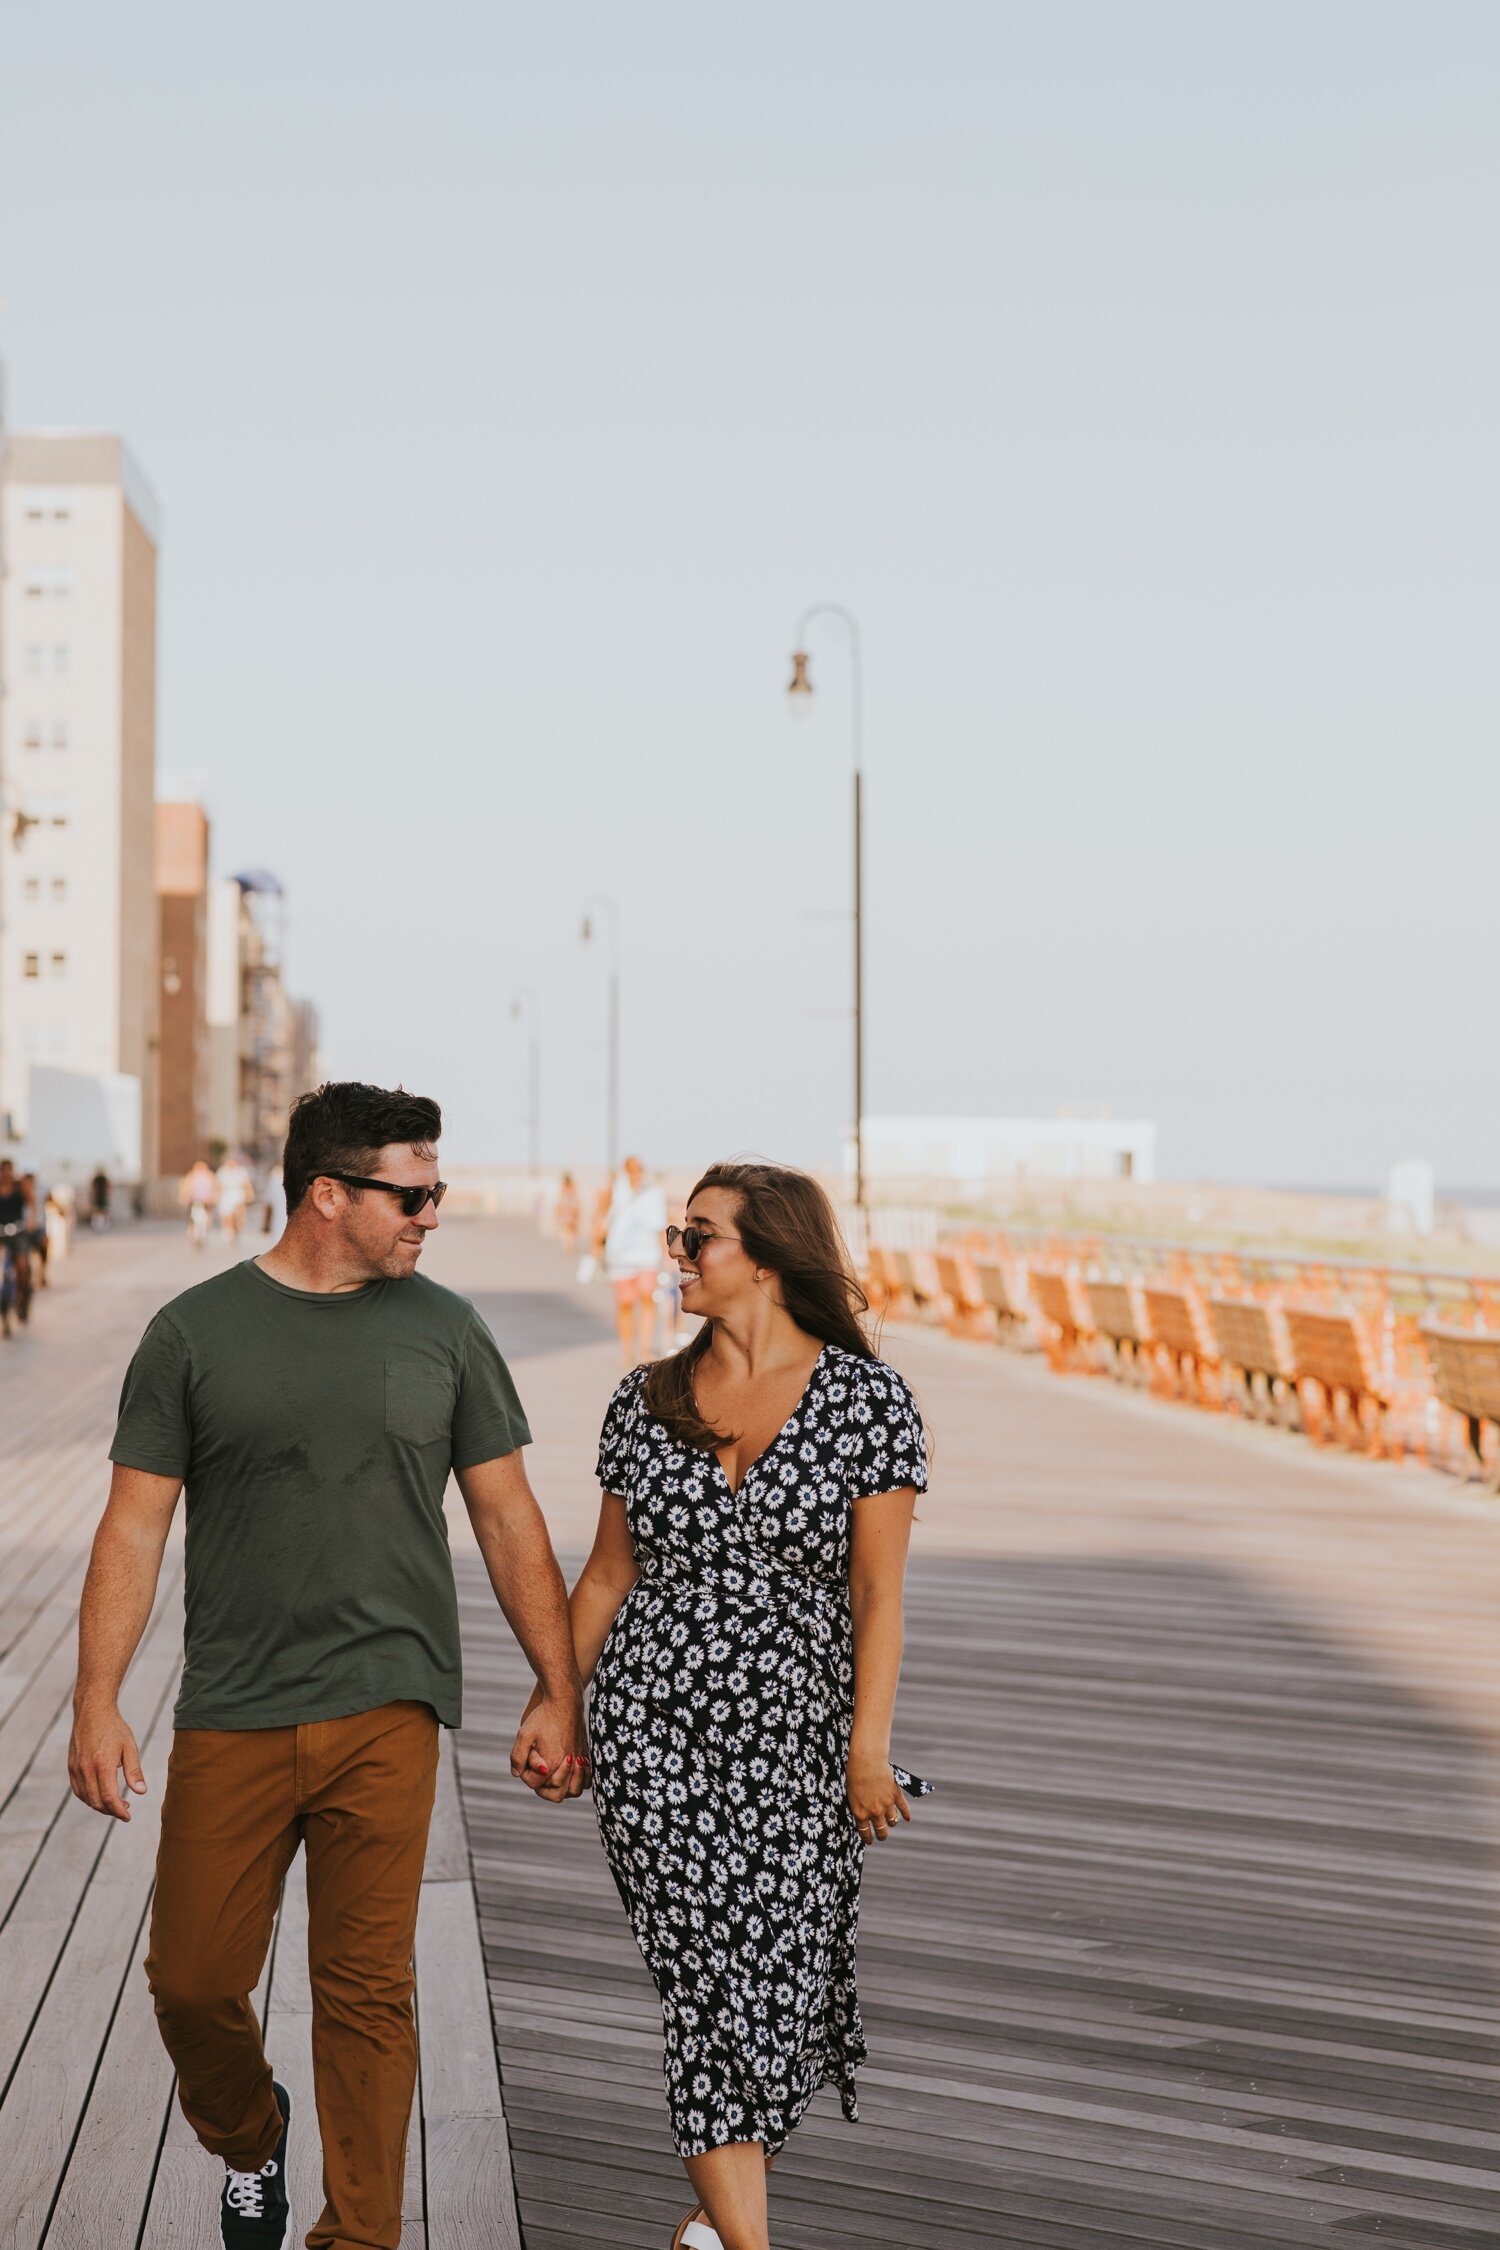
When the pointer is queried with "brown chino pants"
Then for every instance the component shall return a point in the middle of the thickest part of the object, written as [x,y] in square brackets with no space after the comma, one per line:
[358,1792]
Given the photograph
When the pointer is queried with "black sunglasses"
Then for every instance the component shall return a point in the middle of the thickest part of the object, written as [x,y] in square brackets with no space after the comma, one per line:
[693,1239]
[413,1199]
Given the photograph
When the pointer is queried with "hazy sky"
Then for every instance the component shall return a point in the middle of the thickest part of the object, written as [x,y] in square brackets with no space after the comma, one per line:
[512,377]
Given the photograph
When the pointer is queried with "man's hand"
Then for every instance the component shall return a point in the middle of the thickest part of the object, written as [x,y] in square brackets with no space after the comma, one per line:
[550,1753]
[102,1746]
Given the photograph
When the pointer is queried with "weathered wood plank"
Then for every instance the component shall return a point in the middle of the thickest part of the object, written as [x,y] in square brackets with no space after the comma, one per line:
[470,2194]
[66,2039]
[447,1839]
[110,2172]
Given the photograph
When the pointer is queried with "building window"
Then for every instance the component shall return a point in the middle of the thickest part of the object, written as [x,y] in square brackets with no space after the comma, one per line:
[32,887]
[32,966]
[59,964]
[35,654]
[43,506]
[59,734]
[59,888]
[59,820]
[62,657]
[54,579]
[33,734]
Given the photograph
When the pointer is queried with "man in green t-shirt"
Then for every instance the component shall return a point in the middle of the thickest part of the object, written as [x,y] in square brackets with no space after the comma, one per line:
[311,1402]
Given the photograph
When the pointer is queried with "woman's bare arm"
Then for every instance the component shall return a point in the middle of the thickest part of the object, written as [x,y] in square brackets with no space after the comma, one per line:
[604,1581]
[877,1574]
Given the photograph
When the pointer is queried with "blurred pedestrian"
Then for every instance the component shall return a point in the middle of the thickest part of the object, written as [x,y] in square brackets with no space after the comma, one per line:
[60,1216]
[38,1223]
[635,1250]
[236,1194]
[198,1192]
[275,1200]
[100,1196]
[568,1213]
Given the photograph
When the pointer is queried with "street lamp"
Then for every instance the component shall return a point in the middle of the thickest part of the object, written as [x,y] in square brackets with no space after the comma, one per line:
[800,689]
[612,912]
[523,1003]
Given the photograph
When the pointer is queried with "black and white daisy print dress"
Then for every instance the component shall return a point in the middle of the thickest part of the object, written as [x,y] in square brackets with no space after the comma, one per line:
[722,1707]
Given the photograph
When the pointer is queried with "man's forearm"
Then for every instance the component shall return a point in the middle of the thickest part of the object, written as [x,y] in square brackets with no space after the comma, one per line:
[530,1589]
[117,1596]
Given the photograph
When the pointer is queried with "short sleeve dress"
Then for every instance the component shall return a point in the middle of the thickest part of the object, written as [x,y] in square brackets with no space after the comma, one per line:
[722,1707]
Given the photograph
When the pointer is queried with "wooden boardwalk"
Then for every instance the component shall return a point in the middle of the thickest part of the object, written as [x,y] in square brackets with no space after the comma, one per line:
[1198,1945]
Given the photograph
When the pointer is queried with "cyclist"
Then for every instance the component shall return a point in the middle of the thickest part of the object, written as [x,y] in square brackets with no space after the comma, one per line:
[17,1220]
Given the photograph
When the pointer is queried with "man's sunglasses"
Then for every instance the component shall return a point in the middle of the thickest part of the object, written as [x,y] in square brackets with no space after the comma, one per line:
[693,1239]
[413,1199]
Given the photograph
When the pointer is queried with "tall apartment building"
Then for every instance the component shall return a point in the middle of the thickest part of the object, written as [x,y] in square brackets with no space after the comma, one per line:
[78,908]
[183,1053]
[263,1044]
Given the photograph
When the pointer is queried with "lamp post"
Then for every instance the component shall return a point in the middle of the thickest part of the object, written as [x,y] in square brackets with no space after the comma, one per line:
[523,1004]
[612,912]
[800,689]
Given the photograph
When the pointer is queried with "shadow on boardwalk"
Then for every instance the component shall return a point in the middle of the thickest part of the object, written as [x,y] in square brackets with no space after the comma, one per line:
[1197,1944]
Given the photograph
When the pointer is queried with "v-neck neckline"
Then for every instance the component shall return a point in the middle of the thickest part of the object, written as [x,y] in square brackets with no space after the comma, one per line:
[734,1490]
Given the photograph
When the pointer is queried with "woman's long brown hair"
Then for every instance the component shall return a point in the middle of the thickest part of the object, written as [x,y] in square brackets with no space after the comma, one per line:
[786,1224]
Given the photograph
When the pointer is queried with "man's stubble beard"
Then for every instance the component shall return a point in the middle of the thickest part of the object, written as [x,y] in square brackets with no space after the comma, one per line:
[396,1268]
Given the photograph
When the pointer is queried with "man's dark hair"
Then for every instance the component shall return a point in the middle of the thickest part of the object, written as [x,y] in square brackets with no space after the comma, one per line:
[344,1126]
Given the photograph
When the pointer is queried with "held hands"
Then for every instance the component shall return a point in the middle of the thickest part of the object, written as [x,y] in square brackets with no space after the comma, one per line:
[101,1748]
[550,1753]
[875,1798]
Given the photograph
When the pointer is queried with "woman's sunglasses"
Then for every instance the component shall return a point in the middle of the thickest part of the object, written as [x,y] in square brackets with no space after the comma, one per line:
[693,1239]
[413,1199]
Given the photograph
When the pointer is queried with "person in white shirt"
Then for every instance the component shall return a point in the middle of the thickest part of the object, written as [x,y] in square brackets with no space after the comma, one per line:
[635,1247]
[236,1190]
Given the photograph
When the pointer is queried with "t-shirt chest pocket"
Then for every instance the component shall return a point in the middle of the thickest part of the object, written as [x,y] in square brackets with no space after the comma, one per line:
[418,1398]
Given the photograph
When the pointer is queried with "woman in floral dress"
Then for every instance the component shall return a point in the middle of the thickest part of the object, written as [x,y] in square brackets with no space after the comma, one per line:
[740,1616]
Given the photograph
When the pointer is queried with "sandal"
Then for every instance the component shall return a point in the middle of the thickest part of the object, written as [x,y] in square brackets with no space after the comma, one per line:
[695,2233]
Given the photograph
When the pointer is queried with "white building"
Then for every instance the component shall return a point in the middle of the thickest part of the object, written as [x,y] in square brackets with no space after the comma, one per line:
[78,915]
[1007,1148]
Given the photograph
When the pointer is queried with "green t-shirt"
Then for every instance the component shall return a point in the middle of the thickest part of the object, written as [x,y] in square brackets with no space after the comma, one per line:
[314,1434]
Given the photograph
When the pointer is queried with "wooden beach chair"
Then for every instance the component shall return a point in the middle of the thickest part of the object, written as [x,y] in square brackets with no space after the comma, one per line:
[919,1282]
[1257,1371]
[885,1290]
[1182,1341]
[1068,1333]
[1342,1394]
[1466,1376]
[1007,1309]
[1115,1320]
[964,1310]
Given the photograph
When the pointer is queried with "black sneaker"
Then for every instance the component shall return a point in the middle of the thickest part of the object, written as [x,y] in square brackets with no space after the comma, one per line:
[253,2207]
